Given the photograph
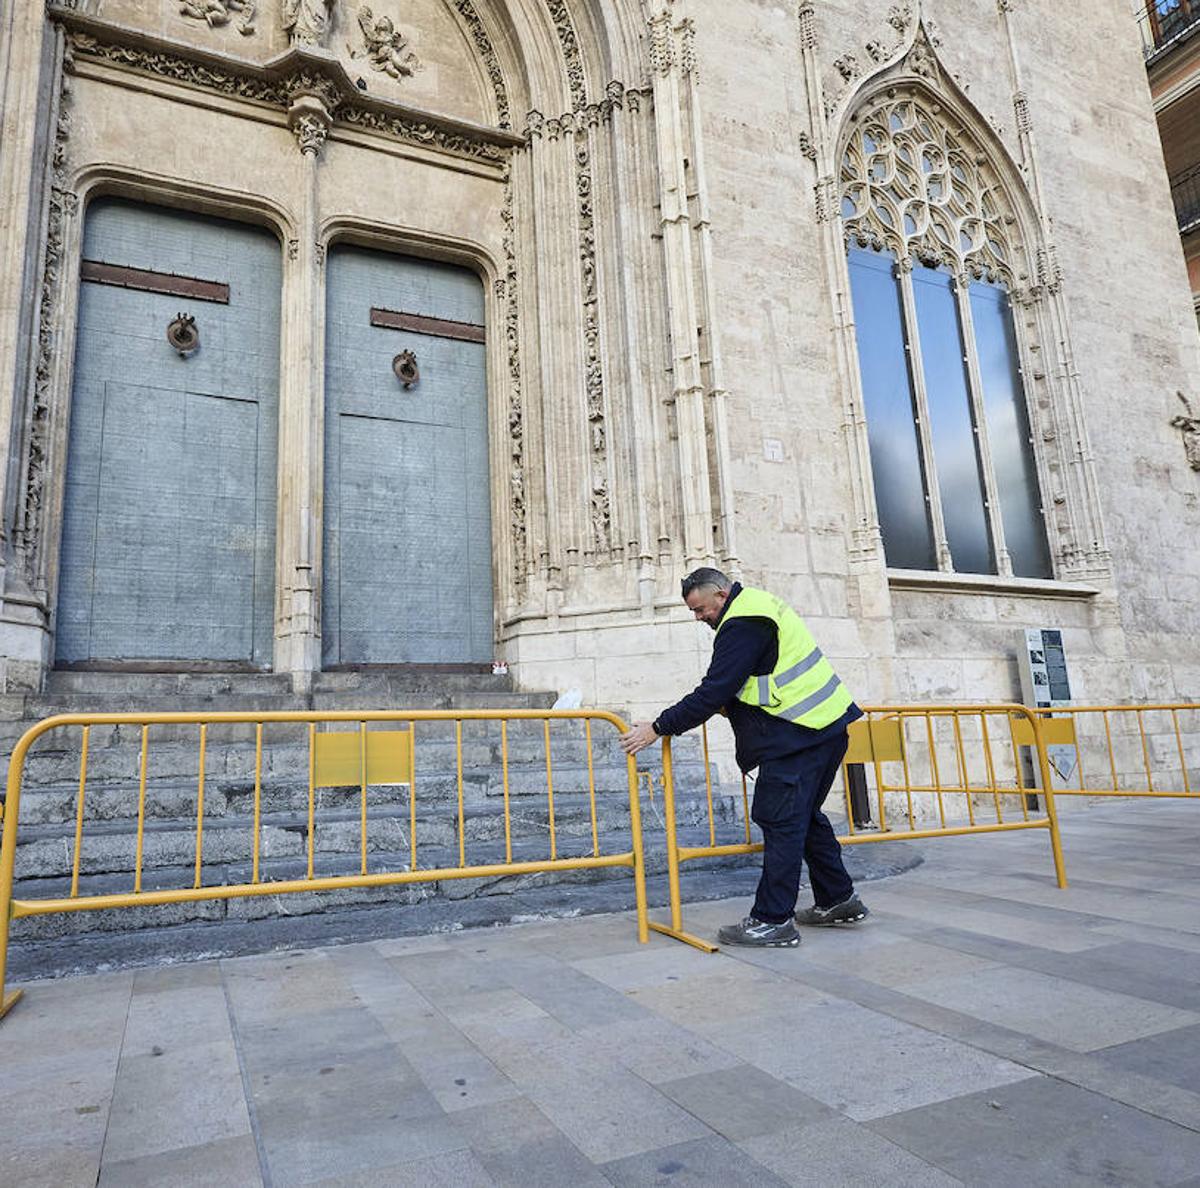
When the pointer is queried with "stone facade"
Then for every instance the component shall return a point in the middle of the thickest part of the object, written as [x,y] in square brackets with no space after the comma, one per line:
[650,193]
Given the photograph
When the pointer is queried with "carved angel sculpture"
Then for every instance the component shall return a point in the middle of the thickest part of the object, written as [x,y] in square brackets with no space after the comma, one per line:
[1191,432]
[386,47]
[219,12]
[307,21]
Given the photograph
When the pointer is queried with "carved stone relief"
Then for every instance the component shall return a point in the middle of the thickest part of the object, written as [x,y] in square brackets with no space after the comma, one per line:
[507,288]
[385,47]
[220,12]
[487,54]
[306,22]
[282,92]
[587,115]
[63,204]
[1190,425]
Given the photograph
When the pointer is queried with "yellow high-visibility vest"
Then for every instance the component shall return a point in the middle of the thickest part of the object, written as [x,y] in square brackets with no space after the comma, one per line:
[803,688]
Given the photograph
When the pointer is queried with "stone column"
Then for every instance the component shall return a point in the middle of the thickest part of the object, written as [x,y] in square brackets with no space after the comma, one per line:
[302,416]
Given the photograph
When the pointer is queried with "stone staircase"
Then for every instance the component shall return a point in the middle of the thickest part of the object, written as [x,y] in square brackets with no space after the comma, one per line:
[46,840]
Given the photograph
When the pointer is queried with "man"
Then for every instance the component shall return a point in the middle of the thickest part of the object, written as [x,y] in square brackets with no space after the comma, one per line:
[790,715]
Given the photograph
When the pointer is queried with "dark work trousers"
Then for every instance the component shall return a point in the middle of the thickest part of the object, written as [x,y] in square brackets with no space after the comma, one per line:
[788,795]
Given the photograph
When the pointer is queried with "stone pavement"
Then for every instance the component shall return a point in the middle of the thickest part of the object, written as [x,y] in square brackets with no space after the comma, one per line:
[982,1027]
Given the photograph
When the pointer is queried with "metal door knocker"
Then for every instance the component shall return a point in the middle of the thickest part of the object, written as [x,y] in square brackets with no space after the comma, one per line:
[183,335]
[406,369]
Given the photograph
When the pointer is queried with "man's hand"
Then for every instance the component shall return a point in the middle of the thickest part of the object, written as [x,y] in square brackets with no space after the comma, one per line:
[639,738]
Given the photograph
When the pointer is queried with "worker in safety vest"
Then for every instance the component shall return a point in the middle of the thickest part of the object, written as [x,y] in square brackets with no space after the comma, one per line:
[790,715]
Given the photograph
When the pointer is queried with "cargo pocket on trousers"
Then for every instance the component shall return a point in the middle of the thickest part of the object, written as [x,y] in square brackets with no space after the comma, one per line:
[775,795]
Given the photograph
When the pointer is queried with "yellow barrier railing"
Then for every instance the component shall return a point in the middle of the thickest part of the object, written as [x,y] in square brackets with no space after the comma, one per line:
[1125,750]
[961,770]
[348,759]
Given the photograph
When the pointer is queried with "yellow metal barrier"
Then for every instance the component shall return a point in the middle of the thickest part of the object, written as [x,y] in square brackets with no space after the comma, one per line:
[1125,750]
[961,771]
[361,758]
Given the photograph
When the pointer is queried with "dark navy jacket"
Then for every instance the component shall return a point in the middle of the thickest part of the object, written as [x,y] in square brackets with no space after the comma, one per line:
[743,648]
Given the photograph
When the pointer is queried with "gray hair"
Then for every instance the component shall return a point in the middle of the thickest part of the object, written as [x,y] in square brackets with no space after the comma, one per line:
[704,578]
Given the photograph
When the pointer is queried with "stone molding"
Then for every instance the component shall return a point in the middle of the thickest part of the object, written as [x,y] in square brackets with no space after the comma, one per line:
[276,83]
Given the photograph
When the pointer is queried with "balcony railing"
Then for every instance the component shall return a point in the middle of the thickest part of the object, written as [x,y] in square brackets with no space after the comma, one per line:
[1163,22]
[1185,190]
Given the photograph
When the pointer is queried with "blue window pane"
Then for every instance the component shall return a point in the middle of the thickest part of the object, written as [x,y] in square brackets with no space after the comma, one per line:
[891,427]
[955,445]
[1008,432]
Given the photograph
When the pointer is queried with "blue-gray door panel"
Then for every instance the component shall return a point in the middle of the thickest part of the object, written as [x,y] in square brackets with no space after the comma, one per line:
[169,516]
[407,524]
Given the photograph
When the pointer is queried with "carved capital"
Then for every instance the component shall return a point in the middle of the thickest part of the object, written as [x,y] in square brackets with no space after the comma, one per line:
[309,120]
[662,50]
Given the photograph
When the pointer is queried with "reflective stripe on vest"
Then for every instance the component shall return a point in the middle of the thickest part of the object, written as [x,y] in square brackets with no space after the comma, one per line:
[803,687]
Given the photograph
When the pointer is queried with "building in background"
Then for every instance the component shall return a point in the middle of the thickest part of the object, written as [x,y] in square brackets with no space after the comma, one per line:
[1171,40]
[341,336]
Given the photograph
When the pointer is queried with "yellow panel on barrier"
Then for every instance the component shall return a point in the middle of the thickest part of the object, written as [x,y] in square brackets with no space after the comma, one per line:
[339,758]
[875,742]
[1056,732]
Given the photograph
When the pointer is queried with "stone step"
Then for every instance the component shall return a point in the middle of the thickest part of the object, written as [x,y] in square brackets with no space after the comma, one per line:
[170,798]
[110,846]
[131,920]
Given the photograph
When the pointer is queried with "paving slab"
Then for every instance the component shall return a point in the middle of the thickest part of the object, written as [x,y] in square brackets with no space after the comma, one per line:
[1070,1014]
[981,1027]
[1044,1131]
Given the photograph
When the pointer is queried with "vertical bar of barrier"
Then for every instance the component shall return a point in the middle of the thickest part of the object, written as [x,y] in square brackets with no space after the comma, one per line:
[1075,722]
[462,835]
[200,807]
[258,737]
[937,775]
[1145,752]
[412,793]
[1187,788]
[8,855]
[712,825]
[963,773]
[312,791]
[1112,761]
[1018,767]
[904,766]
[587,726]
[990,766]
[639,852]
[746,807]
[668,778]
[504,768]
[83,757]
[362,784]
[141,821]
[550,790]
[846,797]
[882,808]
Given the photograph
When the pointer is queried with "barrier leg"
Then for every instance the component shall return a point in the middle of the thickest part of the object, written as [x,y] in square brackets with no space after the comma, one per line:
[675,929]
[8,847]
[1060,868]
[639,853]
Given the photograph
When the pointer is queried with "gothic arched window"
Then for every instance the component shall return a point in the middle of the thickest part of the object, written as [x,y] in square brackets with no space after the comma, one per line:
[929,232]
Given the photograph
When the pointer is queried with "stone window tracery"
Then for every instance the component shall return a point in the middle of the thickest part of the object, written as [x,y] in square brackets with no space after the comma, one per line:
[930,232]
[912,185]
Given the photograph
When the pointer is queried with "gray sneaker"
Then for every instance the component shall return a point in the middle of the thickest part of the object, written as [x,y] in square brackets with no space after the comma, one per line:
[849,911]
[760,934]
